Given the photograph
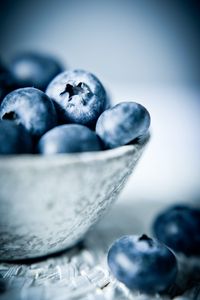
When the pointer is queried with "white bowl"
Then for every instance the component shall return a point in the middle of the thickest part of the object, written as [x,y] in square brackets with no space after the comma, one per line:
[48,203]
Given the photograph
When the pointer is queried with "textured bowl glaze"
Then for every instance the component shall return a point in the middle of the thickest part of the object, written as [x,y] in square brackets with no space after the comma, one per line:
[48,203]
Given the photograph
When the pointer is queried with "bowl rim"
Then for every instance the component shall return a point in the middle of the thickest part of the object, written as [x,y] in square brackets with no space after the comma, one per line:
[67,158]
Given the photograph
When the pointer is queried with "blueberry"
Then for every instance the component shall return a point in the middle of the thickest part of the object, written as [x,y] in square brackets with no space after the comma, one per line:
[35,69]
[81,95]
[179,228]
[14,139]
[68,139]
[122,124]
[30,107]
[142,263]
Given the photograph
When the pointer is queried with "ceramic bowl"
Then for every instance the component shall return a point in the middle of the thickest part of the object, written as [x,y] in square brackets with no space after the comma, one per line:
[47,204]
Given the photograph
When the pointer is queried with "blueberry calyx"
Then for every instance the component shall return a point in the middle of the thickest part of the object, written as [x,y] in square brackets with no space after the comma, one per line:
[81,89]
[11,115]
[147,239]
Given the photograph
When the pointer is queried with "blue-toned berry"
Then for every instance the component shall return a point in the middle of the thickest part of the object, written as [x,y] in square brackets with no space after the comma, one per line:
[69,138]
[179,228]
[14,139]
[80,94]
[30,107]
[122,124]
[35,69]
[142,263]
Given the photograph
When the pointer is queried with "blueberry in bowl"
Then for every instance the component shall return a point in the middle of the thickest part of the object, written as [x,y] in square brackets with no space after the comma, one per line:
[81,96]
[30,107]
[70,138]
[14,139]
[34,69]
[122,124]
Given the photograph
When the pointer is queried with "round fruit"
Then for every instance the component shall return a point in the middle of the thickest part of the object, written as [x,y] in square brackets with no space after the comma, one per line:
[30,107]
[80,94]
[179,228]
[35,69]
[14,139]
[142,263]
[69,138]
[122,124]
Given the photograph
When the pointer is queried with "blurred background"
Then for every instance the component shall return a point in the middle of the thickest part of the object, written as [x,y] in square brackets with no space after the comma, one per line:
[145,51]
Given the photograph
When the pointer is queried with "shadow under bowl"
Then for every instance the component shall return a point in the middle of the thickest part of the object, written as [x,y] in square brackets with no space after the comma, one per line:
[48,203]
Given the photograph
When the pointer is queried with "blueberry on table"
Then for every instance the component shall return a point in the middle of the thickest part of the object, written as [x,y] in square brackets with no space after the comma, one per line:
[179,228]
[35,69]
[142,263]
[80,94]
[31,108]
[14,139]
[122,124]
[69,138]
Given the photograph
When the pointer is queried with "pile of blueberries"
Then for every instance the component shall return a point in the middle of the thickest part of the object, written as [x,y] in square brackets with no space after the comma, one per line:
[47,110]
[152,265]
